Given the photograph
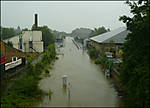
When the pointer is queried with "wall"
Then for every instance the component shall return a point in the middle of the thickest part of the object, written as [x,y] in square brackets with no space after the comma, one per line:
[14,41]
[26,35]
[99,47]
[10,52]
[36,35]
[105,47]
[38,46]
[36,41]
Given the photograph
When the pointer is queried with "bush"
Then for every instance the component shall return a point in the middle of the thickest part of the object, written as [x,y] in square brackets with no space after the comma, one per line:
[56,58]
[49,55]
[22,90]
[93,52]
[97,61]
[25,90]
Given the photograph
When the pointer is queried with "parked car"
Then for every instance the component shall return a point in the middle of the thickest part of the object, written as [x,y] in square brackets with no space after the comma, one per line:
[109,54]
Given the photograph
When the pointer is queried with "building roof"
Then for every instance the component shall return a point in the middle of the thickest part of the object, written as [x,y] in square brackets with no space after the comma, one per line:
[117,35]
[22,34]
[10,52]
[11,37]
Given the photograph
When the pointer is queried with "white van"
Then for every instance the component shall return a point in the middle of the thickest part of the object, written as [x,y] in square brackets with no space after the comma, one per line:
[109,54]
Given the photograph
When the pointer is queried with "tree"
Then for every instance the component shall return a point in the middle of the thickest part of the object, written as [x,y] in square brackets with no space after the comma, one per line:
[25,29]
[18,30]
[135,72]
[107,64]
[7,33]
[98,31]
[93,52]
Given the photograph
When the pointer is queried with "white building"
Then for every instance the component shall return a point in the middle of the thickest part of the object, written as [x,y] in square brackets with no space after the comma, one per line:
[28,41]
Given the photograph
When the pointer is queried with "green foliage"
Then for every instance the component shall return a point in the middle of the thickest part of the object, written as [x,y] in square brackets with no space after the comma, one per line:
[93,52]
[56,58]
[97,61]
[25,29]
[49,54]
[135,74]
[107,64]
[25,91]
[8,33]
[45,75]
[98,31]
[50,94]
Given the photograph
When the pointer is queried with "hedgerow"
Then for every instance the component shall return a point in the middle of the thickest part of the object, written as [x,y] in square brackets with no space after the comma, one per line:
[25,91]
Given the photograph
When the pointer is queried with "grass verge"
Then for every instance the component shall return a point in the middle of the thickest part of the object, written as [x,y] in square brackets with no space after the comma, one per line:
[25,91]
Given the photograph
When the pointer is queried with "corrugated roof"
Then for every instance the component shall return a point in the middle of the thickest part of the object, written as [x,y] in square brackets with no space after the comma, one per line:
[117,35]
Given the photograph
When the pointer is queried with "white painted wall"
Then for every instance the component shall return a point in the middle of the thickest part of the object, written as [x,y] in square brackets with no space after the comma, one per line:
[36,37]
[38,46]
[14,41]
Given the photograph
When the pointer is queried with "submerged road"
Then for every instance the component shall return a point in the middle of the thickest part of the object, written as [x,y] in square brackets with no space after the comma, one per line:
[89,87]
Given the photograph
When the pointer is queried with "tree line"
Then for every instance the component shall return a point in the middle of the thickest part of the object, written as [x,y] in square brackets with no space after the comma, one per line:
[98,31]
[25,91]
[47,35]
[9,32]
[135,70]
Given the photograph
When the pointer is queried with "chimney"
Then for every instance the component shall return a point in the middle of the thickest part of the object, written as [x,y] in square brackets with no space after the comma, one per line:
[36,21]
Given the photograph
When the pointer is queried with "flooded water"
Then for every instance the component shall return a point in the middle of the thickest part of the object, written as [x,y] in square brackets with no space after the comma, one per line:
[89,87]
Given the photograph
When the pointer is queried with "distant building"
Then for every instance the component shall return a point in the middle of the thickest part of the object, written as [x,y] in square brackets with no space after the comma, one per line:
[111,41]
[59,38]
[28,41]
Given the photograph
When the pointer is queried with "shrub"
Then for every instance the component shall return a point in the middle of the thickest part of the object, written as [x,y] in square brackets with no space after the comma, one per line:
[97,61]
[93,52]
[25,90]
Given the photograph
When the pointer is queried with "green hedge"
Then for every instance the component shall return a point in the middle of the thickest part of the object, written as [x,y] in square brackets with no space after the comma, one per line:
[97,61]
[24,91]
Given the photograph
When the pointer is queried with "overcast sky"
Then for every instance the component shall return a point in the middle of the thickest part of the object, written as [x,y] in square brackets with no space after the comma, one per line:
[64,16]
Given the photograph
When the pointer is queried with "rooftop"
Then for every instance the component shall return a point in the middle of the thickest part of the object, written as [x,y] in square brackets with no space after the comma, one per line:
[10,52]
[117,35]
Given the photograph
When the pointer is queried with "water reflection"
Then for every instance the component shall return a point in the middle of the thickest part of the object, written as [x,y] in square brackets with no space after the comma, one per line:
[64,90]
[89,87]
[69,93]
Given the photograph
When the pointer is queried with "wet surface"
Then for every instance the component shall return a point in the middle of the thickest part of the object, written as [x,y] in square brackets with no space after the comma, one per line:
[89,87]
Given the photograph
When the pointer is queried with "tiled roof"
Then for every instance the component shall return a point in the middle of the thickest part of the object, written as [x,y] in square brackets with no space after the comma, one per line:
[10,52]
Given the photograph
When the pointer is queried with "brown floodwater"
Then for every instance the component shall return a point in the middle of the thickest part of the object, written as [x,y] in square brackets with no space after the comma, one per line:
[89,87]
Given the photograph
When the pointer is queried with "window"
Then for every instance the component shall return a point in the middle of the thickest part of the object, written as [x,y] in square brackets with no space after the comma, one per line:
[14,58]
[20,42]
